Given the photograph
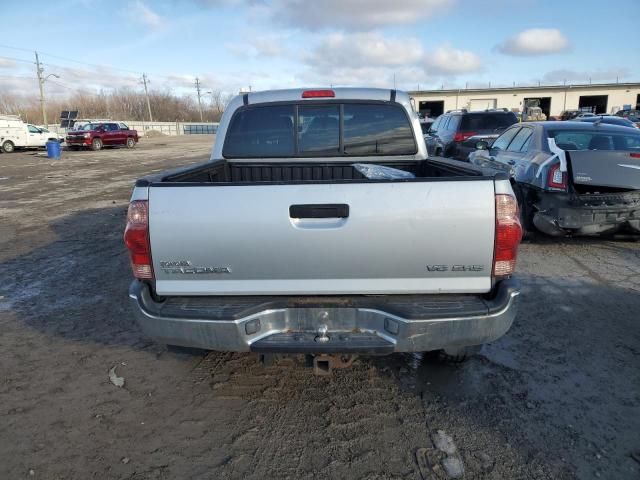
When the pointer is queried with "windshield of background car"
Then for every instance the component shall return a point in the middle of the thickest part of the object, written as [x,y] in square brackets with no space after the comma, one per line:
[596,140]
[474,122]
[365,129]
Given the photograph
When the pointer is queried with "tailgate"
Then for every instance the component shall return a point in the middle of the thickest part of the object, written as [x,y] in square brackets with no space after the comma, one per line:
[605,168]
[349,238]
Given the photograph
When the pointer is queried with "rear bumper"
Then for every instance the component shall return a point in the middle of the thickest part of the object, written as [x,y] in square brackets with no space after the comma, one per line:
[560,214]
[355,324]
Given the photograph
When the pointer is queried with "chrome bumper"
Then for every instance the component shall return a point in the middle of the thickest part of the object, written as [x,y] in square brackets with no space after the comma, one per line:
[278,326]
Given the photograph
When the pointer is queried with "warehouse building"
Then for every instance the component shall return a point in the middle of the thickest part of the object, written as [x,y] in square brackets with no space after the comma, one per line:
[596,98]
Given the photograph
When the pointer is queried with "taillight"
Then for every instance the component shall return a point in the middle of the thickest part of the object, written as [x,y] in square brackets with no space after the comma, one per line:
[318,94]
[462,136]
[136,237]
[556,178]
[508,235]
[635,155]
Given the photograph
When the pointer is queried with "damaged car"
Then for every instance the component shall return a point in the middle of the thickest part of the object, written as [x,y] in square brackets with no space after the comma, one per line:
[570,178]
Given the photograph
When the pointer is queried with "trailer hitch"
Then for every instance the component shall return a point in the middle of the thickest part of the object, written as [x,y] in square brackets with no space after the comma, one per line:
[324,364]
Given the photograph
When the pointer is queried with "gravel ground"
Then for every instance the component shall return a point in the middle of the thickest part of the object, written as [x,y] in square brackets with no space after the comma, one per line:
[558,397]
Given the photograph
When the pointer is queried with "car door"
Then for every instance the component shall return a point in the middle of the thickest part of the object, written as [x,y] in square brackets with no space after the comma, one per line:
[110,136]
[112,133]
[35,137]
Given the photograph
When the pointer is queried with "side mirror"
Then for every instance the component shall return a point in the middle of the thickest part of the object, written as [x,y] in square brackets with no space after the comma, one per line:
[482,145]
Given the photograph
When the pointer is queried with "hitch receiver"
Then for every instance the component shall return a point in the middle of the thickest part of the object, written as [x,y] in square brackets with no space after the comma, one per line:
[324,364]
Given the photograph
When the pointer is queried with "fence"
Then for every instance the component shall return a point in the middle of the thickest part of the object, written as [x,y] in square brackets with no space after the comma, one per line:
[166,128]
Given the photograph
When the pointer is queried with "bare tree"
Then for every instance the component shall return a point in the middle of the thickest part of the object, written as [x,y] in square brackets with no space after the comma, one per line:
[124,104]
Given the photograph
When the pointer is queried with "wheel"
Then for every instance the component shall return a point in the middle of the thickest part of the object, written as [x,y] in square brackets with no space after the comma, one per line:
[526,217]
[96,144]
[457,355]
[7,146]
[131,142]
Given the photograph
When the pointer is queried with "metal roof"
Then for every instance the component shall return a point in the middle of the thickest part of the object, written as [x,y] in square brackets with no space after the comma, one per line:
[526,88]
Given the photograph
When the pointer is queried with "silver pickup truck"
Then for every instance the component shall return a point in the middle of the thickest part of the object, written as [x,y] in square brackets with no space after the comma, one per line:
[320,226]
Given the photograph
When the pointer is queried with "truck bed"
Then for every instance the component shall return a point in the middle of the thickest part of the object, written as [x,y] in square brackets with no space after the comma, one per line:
[225,172]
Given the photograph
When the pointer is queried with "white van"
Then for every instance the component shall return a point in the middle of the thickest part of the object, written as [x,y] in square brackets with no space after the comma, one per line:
[14,133]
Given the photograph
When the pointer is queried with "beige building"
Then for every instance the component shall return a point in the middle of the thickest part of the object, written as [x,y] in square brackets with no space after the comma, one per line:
[599,98]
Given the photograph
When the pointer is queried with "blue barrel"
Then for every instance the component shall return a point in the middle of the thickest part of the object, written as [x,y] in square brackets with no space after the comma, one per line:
[53,149]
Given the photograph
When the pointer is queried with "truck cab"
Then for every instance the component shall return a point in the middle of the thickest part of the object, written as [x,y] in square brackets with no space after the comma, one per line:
[102,134]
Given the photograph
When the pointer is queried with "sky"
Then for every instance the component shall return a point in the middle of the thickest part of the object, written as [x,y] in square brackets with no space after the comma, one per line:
[263,44]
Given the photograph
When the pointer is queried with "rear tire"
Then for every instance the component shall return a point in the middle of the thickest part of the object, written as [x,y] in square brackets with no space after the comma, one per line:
[526,218]
[131,142]
[96,144]
[8,147]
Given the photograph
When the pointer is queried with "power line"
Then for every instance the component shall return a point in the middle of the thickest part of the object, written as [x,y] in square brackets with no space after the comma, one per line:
[71,60]
[16,59]
[16,76]
[16,48]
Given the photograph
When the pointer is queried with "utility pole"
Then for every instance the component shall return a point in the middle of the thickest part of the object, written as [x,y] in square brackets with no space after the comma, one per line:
[199,100]
[39,72]
[146,93]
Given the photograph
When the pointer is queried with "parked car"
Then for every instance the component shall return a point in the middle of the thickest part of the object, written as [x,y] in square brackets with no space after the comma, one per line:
[450,134]
[631,115]
[585,115]
[570,177]
[611,119]
[569,114]
[16,134]
[99,135]
[261,249]
[425,124]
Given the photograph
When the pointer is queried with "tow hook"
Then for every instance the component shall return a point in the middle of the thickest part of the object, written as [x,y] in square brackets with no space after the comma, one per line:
[324,364]
[322,334]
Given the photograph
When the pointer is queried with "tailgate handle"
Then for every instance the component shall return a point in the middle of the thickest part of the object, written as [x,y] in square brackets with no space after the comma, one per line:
[326,210]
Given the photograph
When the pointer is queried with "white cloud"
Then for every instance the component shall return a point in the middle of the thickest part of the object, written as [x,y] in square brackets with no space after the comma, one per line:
[446,60]
[364,49]
[372,59]
[535,41]
[344,14]
[145,15]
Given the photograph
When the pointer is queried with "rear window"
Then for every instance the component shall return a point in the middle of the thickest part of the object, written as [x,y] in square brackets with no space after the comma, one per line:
[261,132]
[351,129]
[487,121]
[595,140]
[377,129]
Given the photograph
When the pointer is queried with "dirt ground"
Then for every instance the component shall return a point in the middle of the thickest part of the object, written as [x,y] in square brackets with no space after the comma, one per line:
[558,397]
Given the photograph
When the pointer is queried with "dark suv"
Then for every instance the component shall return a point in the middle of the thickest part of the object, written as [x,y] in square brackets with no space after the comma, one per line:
[456,133]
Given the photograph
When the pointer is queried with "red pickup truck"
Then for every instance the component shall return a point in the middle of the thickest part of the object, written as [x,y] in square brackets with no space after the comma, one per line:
[103,134]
